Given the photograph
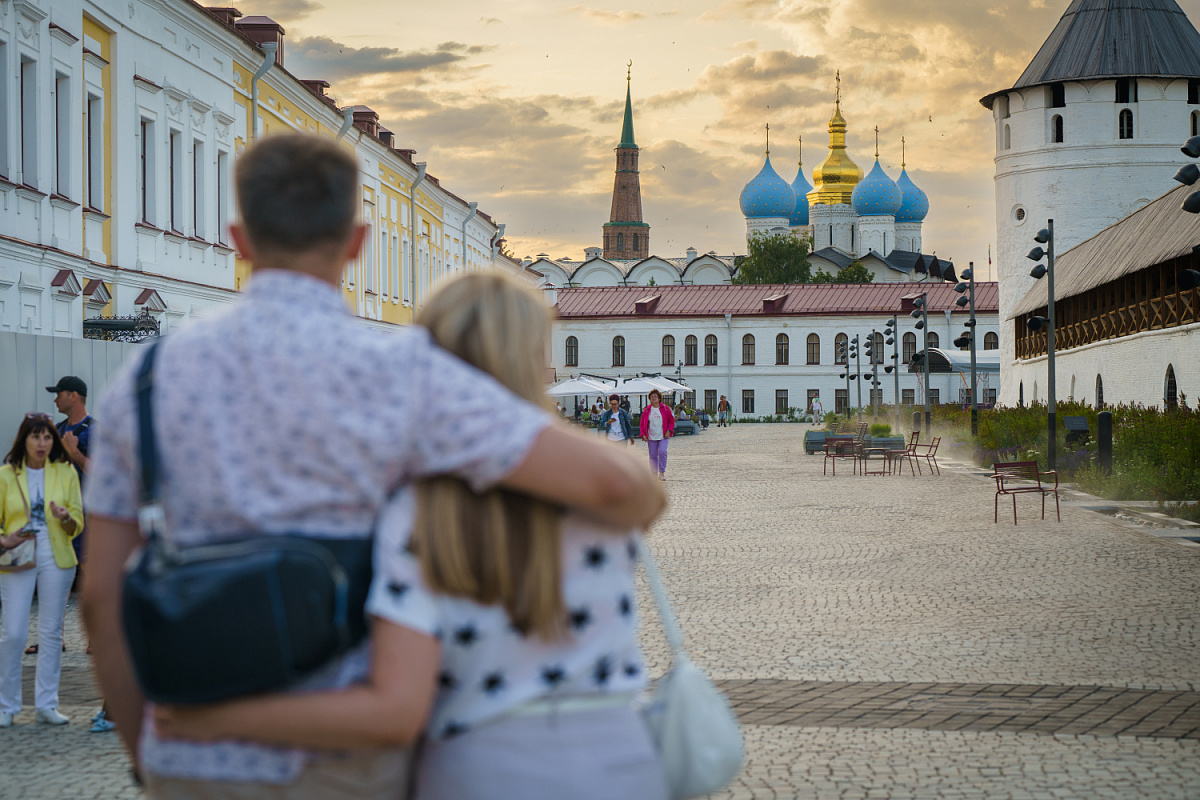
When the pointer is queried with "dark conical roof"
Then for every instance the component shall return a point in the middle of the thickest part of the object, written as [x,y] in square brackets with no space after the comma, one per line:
[1097,39]
[627,125]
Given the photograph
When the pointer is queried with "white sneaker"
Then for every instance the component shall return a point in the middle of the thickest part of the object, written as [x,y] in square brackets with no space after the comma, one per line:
[6,718]
[50,716]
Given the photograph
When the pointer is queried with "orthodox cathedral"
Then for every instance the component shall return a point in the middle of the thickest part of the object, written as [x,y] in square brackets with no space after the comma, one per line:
[874,219]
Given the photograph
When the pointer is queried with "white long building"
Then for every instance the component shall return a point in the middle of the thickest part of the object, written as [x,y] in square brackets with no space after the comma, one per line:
[767,348]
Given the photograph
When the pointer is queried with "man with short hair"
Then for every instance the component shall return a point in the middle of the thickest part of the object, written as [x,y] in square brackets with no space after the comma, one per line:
[70,398]
[366,413]
[723,413]
[616,422]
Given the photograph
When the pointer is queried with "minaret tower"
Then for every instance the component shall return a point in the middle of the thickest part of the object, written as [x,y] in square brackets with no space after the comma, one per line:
[625,235]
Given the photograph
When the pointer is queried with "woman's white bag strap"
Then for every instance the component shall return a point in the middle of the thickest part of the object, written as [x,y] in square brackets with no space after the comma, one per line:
[697,735]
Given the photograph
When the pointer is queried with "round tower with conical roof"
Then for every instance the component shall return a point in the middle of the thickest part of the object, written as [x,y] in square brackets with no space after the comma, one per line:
[1089,132]
[830,209]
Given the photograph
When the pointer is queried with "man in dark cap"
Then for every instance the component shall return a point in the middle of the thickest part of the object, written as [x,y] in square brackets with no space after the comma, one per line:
[70,398]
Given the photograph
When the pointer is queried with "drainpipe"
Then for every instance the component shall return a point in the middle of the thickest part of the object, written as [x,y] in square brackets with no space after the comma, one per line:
[471,216]
[729,364]
[347,122]
[269,49]
[412,227]
[496,242]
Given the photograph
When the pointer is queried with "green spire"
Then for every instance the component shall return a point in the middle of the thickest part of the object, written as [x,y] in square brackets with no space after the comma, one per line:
[627,126]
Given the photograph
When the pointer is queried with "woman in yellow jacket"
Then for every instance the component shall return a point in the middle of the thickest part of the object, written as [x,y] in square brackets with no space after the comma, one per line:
[39,494]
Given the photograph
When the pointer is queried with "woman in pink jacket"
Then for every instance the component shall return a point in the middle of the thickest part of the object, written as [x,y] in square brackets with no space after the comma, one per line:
[658,425]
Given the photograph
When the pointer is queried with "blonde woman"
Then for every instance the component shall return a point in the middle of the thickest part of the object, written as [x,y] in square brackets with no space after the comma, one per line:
[39,499]
[531,610]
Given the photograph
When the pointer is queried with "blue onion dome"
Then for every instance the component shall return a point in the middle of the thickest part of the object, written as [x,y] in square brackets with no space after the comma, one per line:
[800,188]
[767,195]
[916,205]
[876,195]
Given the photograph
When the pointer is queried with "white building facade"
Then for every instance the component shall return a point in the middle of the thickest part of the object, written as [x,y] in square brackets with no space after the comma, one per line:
[1087,141]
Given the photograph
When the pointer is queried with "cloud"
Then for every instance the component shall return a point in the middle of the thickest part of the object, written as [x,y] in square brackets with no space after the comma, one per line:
[604,15]
[322,57]
[282,11]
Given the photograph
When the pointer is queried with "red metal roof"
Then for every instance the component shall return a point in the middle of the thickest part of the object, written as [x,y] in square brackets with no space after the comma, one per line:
[805,299]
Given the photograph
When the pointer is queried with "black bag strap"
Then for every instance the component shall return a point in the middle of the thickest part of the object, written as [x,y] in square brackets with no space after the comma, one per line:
[150,512]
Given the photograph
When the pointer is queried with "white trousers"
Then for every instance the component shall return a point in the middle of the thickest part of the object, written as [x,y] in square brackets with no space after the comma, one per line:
[16,599]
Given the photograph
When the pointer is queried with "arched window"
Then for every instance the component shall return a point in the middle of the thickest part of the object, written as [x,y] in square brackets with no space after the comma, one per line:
[813,346]
[781,349]
[877,349]
[689,351]
[748,350]
[572,351]
[1056,126]
[1195,123]
[1099,392]
[1125,124]
[1021,394]
[620,241]
[635,241]
[618,351]
[991,341]
[909,347]
[1007,138]
[710,351]
[841,345]
[668,351]
[932,341]
[1171,390]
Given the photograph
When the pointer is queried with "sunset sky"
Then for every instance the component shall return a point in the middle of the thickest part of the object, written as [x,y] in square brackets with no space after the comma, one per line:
[517,103]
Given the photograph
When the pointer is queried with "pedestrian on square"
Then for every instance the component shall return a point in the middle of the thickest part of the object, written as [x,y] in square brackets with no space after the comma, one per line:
[626,406]
[336,416]
[657,426]
[818,412]
[39,499]
[616,422]
[723,413]
[532,607]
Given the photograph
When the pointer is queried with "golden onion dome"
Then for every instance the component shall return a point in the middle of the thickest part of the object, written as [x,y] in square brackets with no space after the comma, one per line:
[835,179]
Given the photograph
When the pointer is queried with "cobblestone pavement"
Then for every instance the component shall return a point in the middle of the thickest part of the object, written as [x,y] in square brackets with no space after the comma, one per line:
[879,637]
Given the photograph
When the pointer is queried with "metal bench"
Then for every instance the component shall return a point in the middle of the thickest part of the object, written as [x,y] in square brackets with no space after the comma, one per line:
[1022,477]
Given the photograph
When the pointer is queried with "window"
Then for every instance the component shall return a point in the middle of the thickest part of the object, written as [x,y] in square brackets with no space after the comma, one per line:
[395,267]
[198,229]
[1195,123]
[710,351]
[1058,95]
[1193,92]
[572,359]
[813,347]
[668,351]
[93,125]
[620,241]
[1171,390]
[1127,90]
[175,168]
[909,348]
[964,397]
[876,397]
[4,108]
[62,134]
[813,394]
[1021,394]
[841,401]
[781,401]
[1007,138]
[932,339]
[748,350]
[1056,125]
[710,400]
[689,399]
[635,242]
[747,401]
[991,341]
[146,172]
[1125,124]
[618,351]
[907,396]
[935,396]
[29,122]
[991,397]
[1099,392]
[877,349]
[689,351]
[841,346]
[781,349]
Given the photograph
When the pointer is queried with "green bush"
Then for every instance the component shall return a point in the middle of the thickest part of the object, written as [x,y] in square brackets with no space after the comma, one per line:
[881,429]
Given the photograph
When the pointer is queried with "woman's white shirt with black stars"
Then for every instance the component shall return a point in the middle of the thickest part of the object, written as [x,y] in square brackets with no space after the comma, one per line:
[488,668]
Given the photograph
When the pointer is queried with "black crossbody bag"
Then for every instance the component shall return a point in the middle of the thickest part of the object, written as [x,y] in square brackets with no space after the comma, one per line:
[238,617]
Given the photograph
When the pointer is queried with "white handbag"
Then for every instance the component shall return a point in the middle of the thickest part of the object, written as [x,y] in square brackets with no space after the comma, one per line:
[697,735]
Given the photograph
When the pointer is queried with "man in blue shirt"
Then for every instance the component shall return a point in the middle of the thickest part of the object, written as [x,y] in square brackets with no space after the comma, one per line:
[70,398]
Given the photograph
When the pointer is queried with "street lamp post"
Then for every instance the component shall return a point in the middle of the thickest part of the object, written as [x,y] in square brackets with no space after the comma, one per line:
[969,338]
[921,314]
[893,332]
[857,373]
[1046,236]
[843,355]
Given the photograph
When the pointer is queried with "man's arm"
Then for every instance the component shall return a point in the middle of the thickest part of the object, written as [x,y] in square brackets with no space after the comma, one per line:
[589,474]
[71,445]
[109,544]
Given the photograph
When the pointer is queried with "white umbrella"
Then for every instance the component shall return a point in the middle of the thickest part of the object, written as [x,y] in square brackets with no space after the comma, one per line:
[668,385]
[636,386]
[578,386]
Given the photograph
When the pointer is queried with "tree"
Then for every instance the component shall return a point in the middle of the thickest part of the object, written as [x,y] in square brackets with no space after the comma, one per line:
[851,273]
[774,258]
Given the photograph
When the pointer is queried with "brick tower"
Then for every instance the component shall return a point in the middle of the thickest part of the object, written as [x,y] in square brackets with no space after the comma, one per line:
[625,235]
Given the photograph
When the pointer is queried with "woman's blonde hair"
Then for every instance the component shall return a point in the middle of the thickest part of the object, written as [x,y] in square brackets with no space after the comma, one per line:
[498,547]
